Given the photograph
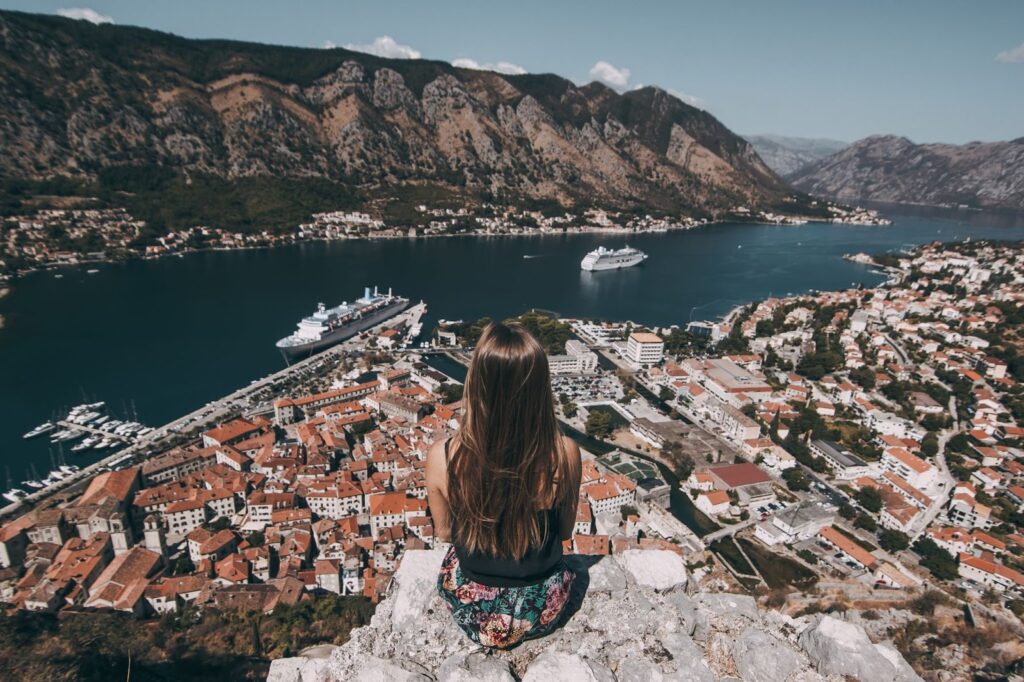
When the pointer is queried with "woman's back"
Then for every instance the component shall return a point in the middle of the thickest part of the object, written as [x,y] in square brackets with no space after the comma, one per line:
[504,490]
[533,567]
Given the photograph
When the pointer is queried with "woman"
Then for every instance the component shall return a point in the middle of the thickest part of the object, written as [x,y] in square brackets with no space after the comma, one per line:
[504,492]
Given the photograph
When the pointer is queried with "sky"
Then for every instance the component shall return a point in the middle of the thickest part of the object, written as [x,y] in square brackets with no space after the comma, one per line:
[932,70]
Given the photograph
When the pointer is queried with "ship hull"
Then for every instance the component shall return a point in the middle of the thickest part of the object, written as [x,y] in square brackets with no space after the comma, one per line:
[609,264]
[343,333]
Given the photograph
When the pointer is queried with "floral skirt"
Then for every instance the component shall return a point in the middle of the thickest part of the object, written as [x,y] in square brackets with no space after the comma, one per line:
[502,617]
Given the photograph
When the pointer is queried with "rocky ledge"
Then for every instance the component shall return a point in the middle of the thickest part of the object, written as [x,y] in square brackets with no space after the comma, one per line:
[635,621]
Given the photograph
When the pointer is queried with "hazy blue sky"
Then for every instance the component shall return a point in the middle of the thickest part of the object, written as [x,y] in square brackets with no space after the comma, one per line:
[933,70]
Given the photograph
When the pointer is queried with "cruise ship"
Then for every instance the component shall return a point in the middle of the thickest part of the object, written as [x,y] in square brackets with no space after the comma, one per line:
[607,259]
[329,326]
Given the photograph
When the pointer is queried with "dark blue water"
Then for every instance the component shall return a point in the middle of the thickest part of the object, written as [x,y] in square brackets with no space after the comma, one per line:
[170,335]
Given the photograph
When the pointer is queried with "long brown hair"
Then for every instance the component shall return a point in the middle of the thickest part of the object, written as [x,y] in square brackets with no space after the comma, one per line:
[506,460]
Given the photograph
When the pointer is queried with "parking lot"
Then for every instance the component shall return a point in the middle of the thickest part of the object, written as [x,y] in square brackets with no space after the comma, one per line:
[584,388]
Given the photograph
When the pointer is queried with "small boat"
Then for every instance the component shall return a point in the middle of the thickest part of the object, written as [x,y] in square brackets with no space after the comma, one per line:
[69,469]
[35,484]
[40,430]
[57,475]
[92,271]
[15,495]
[57,276]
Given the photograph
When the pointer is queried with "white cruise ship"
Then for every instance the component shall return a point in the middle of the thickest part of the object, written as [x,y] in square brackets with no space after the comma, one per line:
[606,259]
[329,326]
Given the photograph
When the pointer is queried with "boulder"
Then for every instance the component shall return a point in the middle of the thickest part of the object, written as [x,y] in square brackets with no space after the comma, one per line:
[759,657]
[556,665]
[415,587]
[373,669]
[477,666]
[839,648]
[659,569]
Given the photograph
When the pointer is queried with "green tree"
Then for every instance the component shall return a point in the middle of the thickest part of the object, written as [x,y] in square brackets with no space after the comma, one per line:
[599,424]
[796,479]
[866,522]
[930,445]
[893,540]
[937,560]
[449,392]
[869,498]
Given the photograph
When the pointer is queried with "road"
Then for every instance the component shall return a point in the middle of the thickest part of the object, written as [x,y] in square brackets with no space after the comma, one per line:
[730,530]
[946,486]
[900,351]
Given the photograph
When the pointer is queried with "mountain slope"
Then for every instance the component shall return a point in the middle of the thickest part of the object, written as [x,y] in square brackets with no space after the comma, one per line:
[787,155]
[895,170]
[108,104]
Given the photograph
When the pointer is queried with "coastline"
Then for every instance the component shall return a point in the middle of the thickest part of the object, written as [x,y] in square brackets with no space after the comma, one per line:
[290,240]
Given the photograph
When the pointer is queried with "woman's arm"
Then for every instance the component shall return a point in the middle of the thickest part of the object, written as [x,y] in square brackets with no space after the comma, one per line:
[437,490]
[567,517]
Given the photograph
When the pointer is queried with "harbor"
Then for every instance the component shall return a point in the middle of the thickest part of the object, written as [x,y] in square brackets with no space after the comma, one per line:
[167,360]
[245,401]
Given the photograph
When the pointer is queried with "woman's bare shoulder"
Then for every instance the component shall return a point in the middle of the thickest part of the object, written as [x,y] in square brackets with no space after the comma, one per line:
[571,452]
[437,461]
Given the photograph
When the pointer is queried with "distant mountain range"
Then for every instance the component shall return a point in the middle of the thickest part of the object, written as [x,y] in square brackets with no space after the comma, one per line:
[198,125]
[892,169]
[787,155]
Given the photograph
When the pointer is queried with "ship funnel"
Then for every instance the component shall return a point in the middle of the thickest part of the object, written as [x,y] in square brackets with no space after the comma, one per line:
[366,292]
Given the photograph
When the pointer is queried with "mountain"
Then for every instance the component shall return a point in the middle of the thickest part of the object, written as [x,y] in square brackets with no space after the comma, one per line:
[787,155]
[893,169]
[130,112]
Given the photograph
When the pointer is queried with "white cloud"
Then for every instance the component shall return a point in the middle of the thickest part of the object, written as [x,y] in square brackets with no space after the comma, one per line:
[1012,56]
[615,78]
[500,67]
[85,14]
[692,100]
[383,46]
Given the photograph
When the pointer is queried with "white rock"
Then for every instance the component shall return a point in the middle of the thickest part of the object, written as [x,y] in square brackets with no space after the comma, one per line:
[475,667]
[660,569]
[556,665]
[373,669]
[839,648]
[759,657]
[415,581]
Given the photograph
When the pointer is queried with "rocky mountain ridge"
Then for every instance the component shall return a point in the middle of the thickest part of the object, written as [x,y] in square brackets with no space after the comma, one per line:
[787,155]
[635,622]
[109,104]
[891,169]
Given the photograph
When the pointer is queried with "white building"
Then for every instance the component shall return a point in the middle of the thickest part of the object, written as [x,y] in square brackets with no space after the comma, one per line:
[909,467]
[844,463]
[645,348]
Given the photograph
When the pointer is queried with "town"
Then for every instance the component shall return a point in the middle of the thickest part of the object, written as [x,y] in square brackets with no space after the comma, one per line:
[860,446]
[76,236]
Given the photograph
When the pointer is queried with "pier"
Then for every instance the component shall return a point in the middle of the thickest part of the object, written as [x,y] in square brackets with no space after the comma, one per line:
[93,430]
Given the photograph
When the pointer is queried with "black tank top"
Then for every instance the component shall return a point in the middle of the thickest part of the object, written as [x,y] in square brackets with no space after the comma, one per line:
[536,566]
